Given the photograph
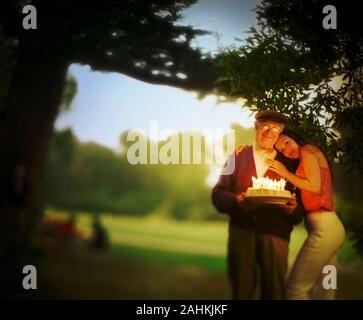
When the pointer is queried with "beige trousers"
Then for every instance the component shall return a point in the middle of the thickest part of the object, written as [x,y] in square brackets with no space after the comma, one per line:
[326,236]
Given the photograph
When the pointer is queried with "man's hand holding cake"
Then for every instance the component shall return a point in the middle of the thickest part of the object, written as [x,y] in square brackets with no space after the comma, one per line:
[245,203]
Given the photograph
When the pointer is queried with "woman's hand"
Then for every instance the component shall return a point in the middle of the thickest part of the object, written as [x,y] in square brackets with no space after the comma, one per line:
[278,167]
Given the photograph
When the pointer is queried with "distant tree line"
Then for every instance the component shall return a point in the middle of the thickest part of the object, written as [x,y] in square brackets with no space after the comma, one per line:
[91,177]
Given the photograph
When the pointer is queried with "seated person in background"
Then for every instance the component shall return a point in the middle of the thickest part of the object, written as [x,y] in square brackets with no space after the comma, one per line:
[99,239]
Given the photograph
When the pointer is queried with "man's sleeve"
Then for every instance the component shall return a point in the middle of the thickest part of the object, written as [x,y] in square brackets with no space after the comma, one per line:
[223,197]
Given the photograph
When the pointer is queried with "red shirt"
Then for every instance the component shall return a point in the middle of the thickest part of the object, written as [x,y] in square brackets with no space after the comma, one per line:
[314,201]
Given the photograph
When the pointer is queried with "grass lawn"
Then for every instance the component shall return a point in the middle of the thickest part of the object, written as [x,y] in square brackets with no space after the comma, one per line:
[160,239]
[150,258]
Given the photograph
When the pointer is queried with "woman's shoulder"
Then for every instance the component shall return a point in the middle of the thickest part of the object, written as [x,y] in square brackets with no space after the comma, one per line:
[311,150]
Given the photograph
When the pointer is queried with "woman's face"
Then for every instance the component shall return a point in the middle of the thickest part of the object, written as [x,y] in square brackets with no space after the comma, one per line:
[288,147]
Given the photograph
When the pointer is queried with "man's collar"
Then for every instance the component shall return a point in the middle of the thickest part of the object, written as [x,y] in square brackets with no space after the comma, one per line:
[259,149]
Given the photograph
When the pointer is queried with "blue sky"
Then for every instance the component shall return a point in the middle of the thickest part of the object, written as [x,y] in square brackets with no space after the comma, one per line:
[109,103]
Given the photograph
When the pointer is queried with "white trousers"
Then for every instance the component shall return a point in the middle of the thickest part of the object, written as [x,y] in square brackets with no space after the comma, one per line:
[326,236]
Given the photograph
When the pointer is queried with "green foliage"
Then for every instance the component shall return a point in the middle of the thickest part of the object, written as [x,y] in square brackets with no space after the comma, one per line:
[358,239]
[70,91]
[290,63]
[91,177]
[244,136]
[142,39]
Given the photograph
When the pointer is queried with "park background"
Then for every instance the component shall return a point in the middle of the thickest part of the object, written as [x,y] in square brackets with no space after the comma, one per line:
[162,237]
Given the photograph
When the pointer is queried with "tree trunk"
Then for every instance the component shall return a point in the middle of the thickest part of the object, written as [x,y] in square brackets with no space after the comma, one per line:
[31,108]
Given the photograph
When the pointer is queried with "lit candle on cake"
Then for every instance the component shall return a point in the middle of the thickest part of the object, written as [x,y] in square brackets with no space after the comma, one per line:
[267,183]
[270,191]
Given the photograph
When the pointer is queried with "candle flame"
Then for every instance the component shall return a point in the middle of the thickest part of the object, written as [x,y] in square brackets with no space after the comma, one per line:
[267,183]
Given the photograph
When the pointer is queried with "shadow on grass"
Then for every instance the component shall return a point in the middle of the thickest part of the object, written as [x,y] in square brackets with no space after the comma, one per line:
[126,272]
[130,273]
[205,262]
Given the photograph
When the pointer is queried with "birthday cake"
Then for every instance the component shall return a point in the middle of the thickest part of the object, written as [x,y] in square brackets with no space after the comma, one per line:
[265,190]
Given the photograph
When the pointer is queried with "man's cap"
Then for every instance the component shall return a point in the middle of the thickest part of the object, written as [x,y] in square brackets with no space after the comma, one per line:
[270,115]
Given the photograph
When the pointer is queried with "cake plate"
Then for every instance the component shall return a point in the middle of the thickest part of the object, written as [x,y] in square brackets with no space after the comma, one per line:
[269,200]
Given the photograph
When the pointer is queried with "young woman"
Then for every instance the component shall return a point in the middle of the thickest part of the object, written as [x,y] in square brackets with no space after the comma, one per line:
[326,233]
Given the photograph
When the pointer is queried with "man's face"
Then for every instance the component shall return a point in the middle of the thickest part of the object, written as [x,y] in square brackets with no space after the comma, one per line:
[267,133]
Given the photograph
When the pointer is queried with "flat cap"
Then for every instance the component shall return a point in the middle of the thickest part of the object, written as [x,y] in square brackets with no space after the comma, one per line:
[271,115]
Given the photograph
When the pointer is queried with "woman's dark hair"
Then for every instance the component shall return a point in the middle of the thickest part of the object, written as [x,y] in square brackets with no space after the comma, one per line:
[297,137]
[302,141]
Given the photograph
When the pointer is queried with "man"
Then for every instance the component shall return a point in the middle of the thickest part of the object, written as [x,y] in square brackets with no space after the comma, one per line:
[258,236]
